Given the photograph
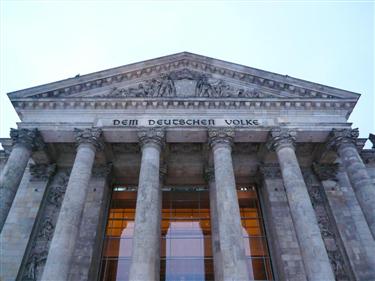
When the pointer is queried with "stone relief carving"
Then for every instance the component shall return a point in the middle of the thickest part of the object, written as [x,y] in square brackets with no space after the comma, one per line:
[339,137]
[280,137]
[270,171]
[152,135]
[220,135]
[89,135]
[102,170]
[41,172]
[178,70]
[30,138]
[205,87]
[326,171]
[318,200]
[35,258]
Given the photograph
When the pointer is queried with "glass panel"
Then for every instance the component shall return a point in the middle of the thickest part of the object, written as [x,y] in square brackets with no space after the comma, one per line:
[259,265]
[186,237]
[118,237]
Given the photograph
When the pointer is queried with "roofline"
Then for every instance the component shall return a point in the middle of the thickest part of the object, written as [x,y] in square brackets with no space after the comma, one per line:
[182,55]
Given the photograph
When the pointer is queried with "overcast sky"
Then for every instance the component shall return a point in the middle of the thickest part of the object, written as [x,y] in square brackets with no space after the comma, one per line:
[328,42]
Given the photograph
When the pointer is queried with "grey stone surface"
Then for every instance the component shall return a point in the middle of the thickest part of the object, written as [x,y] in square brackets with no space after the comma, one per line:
[20,222]
[286,253]
[352,226]
[86,259]
[63,242]
[362,183]
[228,213]
[215,235]
[317,265]
[11,177]
[332,241]
[44,227]
[146,238]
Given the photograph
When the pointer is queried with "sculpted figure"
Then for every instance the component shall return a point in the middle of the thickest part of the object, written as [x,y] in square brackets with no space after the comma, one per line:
[203,88]
[167,88]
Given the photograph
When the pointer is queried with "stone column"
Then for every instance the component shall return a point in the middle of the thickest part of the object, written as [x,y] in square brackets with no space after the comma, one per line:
[146,239]
[24,141]
[215,239]
[234,265]
[66,233]
[343,140]
[313,251]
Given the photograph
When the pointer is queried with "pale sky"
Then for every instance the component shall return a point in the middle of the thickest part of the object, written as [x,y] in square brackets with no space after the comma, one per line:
[327,42]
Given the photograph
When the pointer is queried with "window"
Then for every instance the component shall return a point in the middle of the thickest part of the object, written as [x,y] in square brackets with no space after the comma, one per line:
[185,245]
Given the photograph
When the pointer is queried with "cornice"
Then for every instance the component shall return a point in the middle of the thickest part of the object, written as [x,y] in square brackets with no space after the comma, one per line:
[154,68]
[183,103]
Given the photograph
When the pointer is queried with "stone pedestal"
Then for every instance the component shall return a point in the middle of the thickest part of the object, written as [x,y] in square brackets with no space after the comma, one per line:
[65,236]
[234,264]
[344,142]
[24,141]
[314,254]
[146,239]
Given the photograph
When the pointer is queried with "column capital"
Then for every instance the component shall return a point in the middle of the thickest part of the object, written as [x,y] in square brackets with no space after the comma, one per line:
[154,136]
[30,138]
[42,172]
[339,137]
[89,136]
[281,137]
[220,136]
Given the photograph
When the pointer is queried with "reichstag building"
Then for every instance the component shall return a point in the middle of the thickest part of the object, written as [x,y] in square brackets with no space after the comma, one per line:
[186,168]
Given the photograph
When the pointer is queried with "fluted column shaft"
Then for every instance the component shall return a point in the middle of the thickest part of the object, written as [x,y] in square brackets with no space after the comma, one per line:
[234,266]
[24,141]
[364,189]
[315,257]
[215,238]
[66,232]
[146,238]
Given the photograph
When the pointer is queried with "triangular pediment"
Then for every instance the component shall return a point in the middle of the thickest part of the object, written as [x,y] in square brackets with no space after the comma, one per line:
[183,75]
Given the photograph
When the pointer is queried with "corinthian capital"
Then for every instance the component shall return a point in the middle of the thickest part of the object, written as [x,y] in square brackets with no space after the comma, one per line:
[281,137]
[154,136]
[29,138]
[339,137]
[220,136]
[89,135]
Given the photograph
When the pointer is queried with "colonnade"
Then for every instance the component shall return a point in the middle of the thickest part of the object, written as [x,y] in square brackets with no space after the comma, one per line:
[228,248]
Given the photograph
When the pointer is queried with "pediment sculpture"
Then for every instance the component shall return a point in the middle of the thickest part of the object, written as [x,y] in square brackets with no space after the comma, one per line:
[184,83]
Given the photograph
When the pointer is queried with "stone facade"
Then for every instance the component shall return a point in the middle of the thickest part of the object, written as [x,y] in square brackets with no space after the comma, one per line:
[211,123]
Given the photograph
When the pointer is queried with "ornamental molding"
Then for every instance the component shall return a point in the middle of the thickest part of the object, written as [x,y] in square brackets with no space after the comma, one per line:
[93,103]
[89,136]
[154,136]
[220,136]
[157,78]
[340,137]
[270,171]
[29,138]
[42,172]
[326,171]
[281,137]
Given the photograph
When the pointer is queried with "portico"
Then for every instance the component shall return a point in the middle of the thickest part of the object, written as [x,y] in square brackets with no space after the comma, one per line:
[190,114]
